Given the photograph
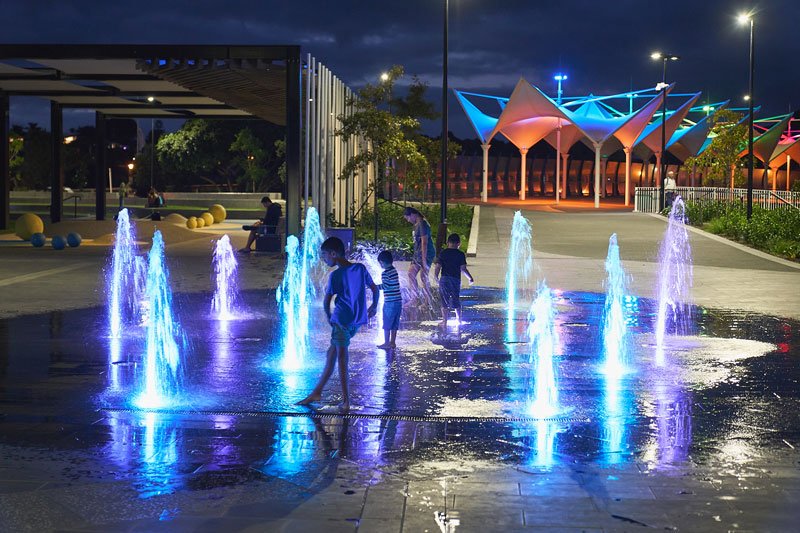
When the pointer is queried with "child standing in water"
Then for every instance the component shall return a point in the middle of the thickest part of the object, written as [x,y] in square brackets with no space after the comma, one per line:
[450,264]
[348,285]
[392,300]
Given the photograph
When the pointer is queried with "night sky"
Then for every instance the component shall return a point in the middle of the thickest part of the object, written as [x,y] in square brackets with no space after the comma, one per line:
[603,46]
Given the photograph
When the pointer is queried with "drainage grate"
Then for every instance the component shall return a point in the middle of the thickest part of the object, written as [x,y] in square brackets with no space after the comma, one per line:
[350,415]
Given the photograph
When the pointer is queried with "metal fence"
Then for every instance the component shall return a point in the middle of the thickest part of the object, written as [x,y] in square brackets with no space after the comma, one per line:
[646,198]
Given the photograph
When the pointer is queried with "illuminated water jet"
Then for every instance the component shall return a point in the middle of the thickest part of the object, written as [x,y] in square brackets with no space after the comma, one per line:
[124,277]
[223,304]
[674,279]
[161,382]
[543,338]
[615,320]
[520,264]
[297,291]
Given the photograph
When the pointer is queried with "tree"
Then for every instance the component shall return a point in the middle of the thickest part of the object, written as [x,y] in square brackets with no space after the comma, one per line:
[388,135]
[728,138]
[250,157]
[15,158]
[34,170]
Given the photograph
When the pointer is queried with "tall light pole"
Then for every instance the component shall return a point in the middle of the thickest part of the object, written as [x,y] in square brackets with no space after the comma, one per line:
[663,87]
[559,78]
[743,19]
[444,117]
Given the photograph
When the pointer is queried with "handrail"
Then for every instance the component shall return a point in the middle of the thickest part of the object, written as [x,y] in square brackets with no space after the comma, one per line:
[75,197]
[784,200]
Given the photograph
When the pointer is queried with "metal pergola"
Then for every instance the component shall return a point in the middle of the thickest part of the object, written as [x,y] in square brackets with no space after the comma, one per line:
[154,81]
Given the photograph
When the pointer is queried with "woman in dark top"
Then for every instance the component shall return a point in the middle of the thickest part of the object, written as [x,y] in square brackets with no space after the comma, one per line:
[424,250]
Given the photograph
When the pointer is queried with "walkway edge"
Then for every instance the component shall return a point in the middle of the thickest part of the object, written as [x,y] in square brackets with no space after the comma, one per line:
[472,246]
[738,246]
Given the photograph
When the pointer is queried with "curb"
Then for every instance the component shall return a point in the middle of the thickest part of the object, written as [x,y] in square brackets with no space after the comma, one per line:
[738,246]
[472,246]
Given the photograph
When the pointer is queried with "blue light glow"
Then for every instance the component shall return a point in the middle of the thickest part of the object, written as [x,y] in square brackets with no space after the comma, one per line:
[223,305]
[160,386]
[520,264]
[615,320]
[543,338]
[124,278]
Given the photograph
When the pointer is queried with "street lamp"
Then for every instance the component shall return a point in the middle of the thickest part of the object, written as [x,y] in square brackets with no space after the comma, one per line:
[664,58]
[559,78]
[743,19]
[384,76]
[443,208]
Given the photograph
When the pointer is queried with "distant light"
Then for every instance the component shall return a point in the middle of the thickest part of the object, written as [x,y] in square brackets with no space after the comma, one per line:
[655,55]
[630,95]
[747,98]
[70,138]
[661,85]
[707,108]
[151,99]
[744,18]
[674,58]
[130,166]
[560,77]
[385,76]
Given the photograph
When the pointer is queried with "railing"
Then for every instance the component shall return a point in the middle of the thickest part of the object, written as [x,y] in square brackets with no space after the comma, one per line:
[646,198]
[75,197]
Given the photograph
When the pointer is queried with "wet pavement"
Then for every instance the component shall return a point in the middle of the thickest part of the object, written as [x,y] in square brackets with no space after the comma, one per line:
[440,437]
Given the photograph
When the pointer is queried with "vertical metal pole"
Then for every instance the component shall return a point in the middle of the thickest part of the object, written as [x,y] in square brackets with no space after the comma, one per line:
[56,168]
[523,173]
[294,140]
[558,155]
[485,172]
[444,116]
[597,148]
[627,176]
[5,163]
[661,173]
[751,161]
[307,132]
[152,148]
[788,171]
[100,166]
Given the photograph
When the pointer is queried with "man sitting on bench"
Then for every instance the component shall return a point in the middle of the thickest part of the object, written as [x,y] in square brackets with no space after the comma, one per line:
[263,226]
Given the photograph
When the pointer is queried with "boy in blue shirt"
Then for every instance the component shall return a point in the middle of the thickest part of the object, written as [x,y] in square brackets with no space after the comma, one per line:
[392,300]
[347,283]
[450,264]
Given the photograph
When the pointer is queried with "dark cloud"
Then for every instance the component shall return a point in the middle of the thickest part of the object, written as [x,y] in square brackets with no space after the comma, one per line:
[604,46]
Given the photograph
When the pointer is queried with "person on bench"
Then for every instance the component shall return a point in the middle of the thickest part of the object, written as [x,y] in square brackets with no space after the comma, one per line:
[265,226]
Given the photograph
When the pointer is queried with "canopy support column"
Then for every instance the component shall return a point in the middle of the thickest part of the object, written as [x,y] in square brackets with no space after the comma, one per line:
[788,170]
[100,166]
[56,168]
[597,148]
[558,163]
[294,141]
[523,183]
[485,172]
[5,164]
[627,176]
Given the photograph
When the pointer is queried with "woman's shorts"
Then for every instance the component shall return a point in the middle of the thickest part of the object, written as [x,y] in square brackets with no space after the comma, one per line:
[391,314]
[449,288]
[341,335]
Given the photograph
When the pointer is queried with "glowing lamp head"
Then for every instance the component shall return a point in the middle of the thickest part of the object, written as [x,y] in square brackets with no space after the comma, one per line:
[744,18]
[560,77]
[747,98]
[656,56]
[151,99]
[707,108]
[385,76]
[130,166]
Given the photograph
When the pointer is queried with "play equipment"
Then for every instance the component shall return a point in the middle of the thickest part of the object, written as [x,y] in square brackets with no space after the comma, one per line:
[74,240]
[27,225]
[201,222]
[218,212]
[38,240]
[191,222]
[208,218]
[58,242]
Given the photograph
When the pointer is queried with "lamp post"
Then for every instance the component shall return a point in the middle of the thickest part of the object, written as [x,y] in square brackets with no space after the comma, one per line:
[559,78]
[443,209]
[743,19]
[663,87]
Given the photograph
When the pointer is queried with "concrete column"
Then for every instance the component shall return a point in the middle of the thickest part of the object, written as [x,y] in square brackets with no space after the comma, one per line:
[627,176]
[485,172]
[56,168]
[100,166]
[658,181]
[523,187]
[5,164]
[597,148]
[788,171]
[294,141]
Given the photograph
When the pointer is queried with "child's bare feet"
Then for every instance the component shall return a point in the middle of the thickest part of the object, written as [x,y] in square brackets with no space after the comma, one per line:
[385,346]
[311,398]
